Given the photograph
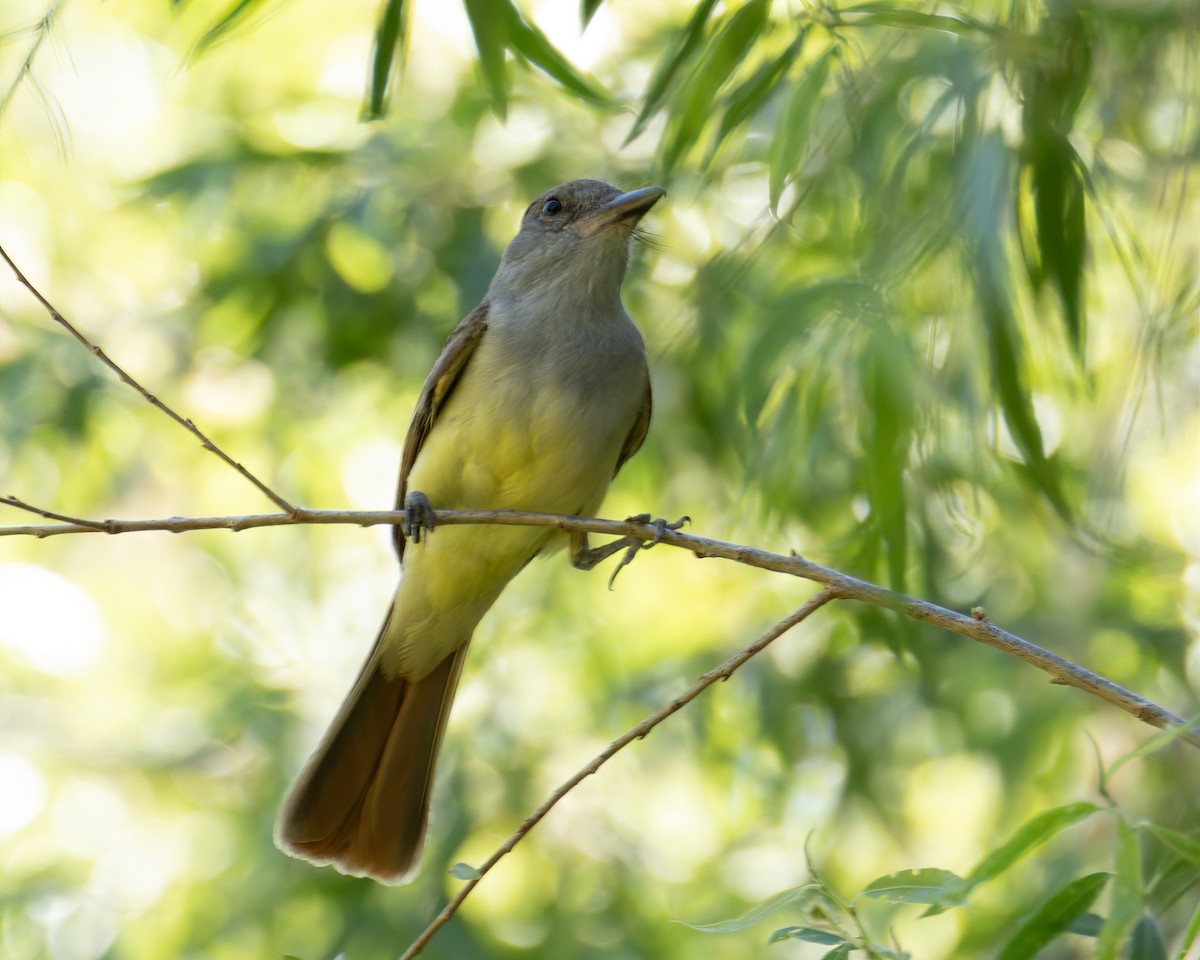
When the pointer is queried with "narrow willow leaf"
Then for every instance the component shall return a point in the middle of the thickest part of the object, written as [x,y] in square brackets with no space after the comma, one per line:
[792,136]
[1190,936]
[388,48]
[1053,916]
[929,885]
[681,54]
[531,43]
[1058,208]
[988,183]
[464,871]
[218,30]
[888,437]
[724,53]
[1155,743]
[840,952]
[749,98]
[893,15]
[1181,843]
[1053,88]
[1069,267]
[491,24]
[1126,906]
[587,10]
[758,911]
[1031,834]
[807,934]
[1006,353]
[1147,942]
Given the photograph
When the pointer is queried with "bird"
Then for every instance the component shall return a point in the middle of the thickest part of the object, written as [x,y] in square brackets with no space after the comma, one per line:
[539,397]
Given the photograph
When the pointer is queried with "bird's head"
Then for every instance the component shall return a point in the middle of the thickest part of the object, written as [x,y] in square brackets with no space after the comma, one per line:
[578,235]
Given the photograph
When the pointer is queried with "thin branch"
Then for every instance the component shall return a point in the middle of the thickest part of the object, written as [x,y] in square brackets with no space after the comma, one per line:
[723,672]
[974,627]
[20,504]
[149,397]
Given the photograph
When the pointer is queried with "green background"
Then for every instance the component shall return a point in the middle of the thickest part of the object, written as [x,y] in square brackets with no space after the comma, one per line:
[922,306]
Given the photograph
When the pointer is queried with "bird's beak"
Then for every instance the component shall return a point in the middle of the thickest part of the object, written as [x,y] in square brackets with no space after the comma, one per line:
[627,209]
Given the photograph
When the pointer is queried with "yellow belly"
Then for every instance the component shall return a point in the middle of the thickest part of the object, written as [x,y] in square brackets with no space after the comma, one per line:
[509,446]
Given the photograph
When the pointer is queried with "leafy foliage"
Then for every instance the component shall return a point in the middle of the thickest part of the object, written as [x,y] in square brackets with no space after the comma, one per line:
[831,919]
[1054,916]
[389,42]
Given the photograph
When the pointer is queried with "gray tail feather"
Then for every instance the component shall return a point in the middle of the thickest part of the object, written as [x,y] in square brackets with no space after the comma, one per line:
[362,802]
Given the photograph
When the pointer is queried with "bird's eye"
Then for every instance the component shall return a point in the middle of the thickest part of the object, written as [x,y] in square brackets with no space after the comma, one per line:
[551,207]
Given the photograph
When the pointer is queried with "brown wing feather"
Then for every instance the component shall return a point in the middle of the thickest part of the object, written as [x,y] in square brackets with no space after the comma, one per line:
[637,433]
[440,383]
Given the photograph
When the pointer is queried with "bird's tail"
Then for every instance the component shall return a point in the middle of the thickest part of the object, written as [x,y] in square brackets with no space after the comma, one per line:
[362,801]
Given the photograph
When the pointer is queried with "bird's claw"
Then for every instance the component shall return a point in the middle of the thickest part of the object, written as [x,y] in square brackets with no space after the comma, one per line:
[661,527]
[418,516]
[660,531]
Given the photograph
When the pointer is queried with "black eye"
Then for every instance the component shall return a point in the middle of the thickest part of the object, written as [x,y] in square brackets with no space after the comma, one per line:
[551,207]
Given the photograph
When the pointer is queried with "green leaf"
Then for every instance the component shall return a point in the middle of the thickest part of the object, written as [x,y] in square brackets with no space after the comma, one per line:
[388,47]
[587,10]
[726,51]
[1181,843]
[1155,743]
[791,138]
[986,201]
[491,23]
[1126,905]
[807,934]
[840,952]
[1190,936]
[758,911]
[531,43]
[1147,942]
[892,15]
[1053,86]
[928,885]
[1058,208]
[1053,916]
[1086,925]
[682,53]
[1028,836]
[1068,260]
[464,871]
[218,30]
[1005,348]
[887,438]
[748,98]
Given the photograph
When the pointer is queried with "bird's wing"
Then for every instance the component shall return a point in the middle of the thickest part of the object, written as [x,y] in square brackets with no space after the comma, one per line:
[637,432]
[442,379]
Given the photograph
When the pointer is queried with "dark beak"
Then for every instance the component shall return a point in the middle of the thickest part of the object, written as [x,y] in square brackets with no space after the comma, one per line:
[626,209]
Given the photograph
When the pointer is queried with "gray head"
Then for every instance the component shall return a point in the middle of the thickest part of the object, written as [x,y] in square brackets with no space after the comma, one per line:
[575,236]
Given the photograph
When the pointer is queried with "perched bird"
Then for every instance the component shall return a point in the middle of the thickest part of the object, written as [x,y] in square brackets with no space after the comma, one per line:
[538,398]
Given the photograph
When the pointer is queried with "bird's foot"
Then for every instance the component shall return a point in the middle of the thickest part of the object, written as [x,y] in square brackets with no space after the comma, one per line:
[418,516]
[660,527]
[660,530]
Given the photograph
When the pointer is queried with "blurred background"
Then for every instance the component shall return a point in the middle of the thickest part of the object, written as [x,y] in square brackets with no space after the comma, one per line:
[923,307]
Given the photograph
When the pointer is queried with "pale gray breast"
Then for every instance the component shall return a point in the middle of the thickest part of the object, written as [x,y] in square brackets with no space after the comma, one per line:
[594,366]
